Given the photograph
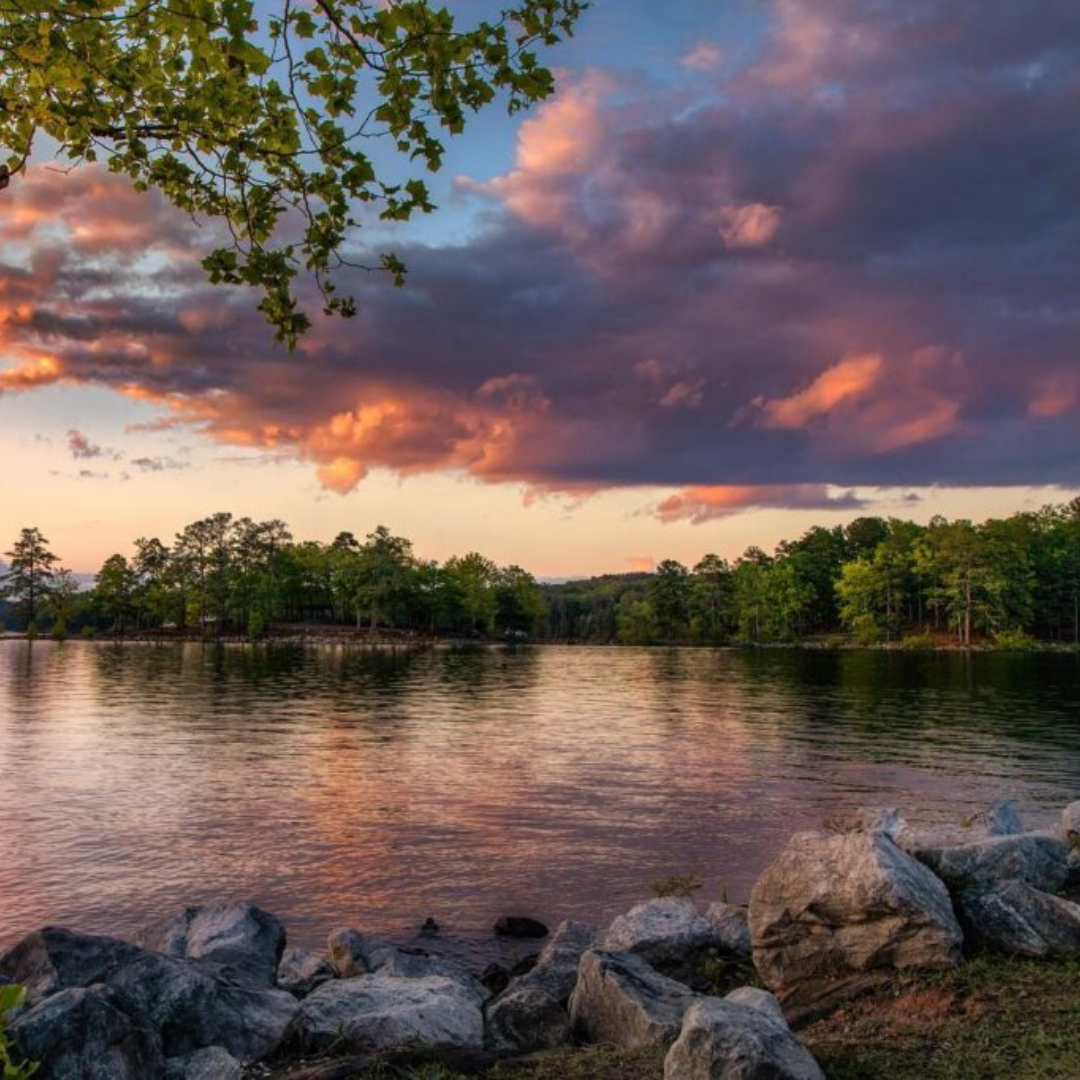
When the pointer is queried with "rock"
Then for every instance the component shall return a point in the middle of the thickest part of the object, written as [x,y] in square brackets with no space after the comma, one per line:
[671,934]
[356,954]
[193,1004]
[732,925]
[1070,819]
[835,913]
[301,970]
[1037,859]
[526,1019]
[753,998]
[495,978]
[81,1034]
[212,1063]
[54,959]
[239,936]
[621,1000]
[532,1014]
[723,1040]
[1004,820]
[519,926]
[555,972]
[1016,919]
[377,1012]
[429,928]
[347,948]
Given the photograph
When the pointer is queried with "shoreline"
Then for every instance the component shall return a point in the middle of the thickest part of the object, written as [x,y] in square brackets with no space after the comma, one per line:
[361,640]
[927,927]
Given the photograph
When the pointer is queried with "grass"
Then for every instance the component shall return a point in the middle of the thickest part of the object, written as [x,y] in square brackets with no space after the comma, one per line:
[586,1063]
[986,1020]
[991,1019]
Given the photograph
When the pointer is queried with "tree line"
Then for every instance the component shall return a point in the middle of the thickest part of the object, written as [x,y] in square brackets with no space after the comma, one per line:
[875,580]
[227,575]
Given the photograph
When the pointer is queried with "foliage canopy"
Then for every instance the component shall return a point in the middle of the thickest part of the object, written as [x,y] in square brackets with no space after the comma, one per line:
[262,114]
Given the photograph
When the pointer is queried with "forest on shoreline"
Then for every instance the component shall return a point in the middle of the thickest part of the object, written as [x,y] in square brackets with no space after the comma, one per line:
[1011,581]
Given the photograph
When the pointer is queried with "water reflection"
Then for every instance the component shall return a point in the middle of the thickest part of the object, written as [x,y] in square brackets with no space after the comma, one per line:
[379,788]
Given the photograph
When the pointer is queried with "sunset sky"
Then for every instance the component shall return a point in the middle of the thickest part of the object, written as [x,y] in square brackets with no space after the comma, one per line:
[756,265]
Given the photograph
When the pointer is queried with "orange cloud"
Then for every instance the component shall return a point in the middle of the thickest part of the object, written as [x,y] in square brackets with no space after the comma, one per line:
[341,475]
[42,371]
[850,378]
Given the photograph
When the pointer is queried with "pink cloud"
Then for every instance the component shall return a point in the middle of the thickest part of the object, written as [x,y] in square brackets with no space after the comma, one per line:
[750,226]
[703,503]
[850,378]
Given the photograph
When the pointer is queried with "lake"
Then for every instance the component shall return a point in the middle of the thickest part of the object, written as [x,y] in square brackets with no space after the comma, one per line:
[378,788]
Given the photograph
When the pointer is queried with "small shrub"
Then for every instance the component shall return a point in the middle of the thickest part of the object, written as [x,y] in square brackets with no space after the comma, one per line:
[11,998]
[923,640]
[1013,641]
[865,630]
[677,885]
[89,633]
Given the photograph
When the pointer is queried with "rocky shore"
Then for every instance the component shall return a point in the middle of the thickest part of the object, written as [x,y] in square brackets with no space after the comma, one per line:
[215,992]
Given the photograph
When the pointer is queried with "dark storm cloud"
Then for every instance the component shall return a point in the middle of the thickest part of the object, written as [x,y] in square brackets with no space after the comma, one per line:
[853,263]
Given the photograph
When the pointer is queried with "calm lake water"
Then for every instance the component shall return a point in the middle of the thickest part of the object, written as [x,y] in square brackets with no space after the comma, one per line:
[375,789]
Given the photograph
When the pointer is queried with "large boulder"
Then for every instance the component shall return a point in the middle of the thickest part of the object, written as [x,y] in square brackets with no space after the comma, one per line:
[531,1014]
[83,1034]
[1040,860]
[672,935]
[381,1012]
[54,959]
[301,970]
[835,913]
[193,1004]
[620,999]
[240,936]
[1016,919]
[726,1040]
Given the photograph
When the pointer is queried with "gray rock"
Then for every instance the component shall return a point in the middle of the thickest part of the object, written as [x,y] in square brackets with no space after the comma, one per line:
[525,1019]
[722,1040]
[837,912]
[212,1063]
[1070,819]
[1015,918]
[239,936]
[81,1034]
[531,1015]
[1037,859]
[55,959]
[354,954]
[347,948]
[520,926]
[752,998]
[732,924]
[621,1000]
[381,1012]
[193,1004]
[671,934]
[1004,820]
[556,971]
[301,970]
